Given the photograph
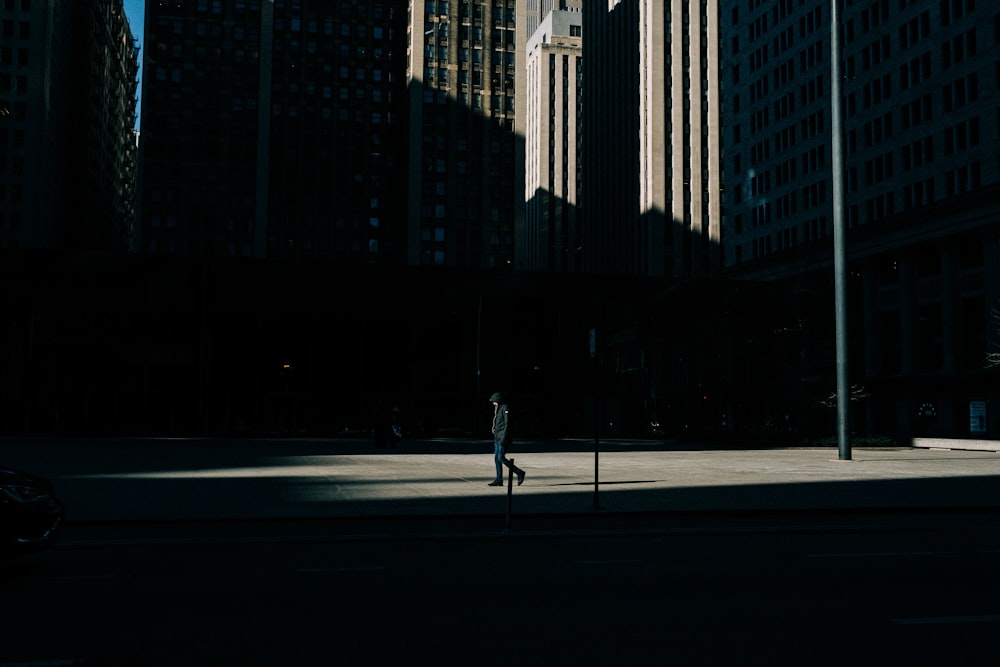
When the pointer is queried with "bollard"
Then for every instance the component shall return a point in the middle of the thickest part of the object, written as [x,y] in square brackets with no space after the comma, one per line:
[510,490]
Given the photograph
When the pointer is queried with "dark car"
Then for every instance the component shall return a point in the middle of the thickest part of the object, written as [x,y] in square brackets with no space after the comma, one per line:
[30,512]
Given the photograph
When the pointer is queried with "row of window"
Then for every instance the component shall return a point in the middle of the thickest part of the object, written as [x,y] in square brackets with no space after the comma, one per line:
[870,17]
[915,71]
[956,138]
[442,8]
[10,231]
[925,263]
[12,193]
[439,32]
[277,246]
[250,35]
[177,74]
[955,95]
[960,180]
[441,77]
[465,55]
[17,85]
[10,56]
[15,5]
[10,29]
[347,7]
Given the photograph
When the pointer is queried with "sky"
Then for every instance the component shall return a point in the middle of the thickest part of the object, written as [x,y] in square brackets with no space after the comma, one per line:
[135,10]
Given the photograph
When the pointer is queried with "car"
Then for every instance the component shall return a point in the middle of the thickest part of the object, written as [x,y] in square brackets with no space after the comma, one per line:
[30,512]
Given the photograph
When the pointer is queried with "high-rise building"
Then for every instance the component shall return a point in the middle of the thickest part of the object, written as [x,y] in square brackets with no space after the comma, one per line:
[274,129]
[466,132]
[652,176]
[551,239]
[921,188]
[537,10]
[67,115]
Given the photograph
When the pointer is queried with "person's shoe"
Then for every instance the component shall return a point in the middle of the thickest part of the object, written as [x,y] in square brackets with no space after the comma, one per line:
[520,477]
[496,482]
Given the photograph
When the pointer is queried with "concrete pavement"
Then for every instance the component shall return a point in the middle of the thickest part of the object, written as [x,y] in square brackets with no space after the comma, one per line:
[150,479]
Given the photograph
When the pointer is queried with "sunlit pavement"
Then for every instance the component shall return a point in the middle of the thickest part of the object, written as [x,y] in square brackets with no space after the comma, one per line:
[181,479]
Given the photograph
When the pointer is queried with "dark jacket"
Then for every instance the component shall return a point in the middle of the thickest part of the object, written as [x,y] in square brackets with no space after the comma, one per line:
[502,431]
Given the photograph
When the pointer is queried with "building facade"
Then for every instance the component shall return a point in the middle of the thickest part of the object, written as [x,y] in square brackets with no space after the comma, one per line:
[651,154]
[551,239]
[466,146]
[922,190]
[68,73]
[274,129]
[537,10]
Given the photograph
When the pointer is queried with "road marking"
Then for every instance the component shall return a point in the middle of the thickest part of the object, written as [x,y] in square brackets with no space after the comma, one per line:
[70,577]
[883,554]
[608,562]
[945,620]
[358,568]
[898,554]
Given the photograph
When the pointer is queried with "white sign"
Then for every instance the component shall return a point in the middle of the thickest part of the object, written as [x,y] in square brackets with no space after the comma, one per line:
[977,417]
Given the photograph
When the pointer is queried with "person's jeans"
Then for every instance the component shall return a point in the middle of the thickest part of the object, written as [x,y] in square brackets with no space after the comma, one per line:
[498,458]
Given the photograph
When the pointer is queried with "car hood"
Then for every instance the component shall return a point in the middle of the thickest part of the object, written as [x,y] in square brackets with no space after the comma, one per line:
[18,477]
[24,488]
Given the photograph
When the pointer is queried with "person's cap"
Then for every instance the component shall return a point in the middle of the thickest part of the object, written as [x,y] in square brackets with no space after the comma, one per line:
[497,397]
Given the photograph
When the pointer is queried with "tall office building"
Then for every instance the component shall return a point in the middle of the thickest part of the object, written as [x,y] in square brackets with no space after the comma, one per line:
[67,116]
[466,142]
[551,239]
[466,72]
[922,188]
[273,128]
[652,175]
[537,10]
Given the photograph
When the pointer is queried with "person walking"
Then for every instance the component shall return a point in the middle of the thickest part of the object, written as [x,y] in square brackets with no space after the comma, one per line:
[387,430]
[502,436]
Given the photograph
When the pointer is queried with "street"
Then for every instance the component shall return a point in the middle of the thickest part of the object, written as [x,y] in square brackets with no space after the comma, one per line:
[792,588]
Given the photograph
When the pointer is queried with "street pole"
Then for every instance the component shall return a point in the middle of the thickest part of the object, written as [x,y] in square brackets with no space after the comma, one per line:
[839,245]
[479,336]
[595,354]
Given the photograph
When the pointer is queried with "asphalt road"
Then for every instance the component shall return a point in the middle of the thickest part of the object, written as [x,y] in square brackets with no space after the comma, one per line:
[287,552]
[783,588]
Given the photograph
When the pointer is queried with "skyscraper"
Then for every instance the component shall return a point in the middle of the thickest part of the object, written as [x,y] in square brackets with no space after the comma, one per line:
[922,186]
[466,132]
[652,176]
[918,82]
[67,112]
[537,10]
[274,129]
[551,238]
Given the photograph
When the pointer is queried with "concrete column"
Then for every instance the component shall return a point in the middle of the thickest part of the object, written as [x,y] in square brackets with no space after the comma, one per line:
[951,312]
[991,273]
[264,128]
[907,313]
[871,317]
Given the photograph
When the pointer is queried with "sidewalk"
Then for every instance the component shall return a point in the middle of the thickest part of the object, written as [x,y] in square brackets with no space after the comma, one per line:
[223,479]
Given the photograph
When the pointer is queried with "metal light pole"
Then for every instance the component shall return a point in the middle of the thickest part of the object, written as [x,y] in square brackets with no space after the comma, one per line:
[839,246]
[595,354]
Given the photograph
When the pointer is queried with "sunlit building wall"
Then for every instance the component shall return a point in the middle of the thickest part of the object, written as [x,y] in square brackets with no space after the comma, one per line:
[537,10]
[466,132]
[651,148]
[921,180]
[67,112]
[555,69]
